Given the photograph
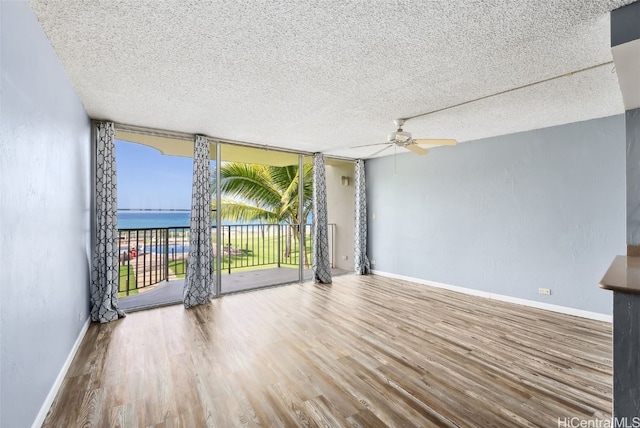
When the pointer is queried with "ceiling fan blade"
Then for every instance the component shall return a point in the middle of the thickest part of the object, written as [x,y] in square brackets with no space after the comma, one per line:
[416,149]
[436,142]
[368,145]
[379,151]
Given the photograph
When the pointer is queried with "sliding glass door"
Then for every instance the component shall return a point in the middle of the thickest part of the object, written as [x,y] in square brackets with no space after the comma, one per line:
[264,204]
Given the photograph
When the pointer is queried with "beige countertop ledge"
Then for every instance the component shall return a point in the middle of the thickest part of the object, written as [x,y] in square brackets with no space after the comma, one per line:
[623,275]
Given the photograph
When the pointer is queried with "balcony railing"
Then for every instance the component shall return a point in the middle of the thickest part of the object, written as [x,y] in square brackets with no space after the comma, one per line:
[150,256]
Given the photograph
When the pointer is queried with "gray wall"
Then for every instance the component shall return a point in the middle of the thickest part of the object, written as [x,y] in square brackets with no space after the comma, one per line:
[340,207]
[507,215]
[44,216]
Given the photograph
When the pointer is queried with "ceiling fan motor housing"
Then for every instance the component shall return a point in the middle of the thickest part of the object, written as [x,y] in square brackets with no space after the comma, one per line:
[399,137]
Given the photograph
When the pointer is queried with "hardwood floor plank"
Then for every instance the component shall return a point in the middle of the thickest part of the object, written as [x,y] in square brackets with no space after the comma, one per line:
[264,413]
[323,413]
[365,419]
[289,406]
[365,351]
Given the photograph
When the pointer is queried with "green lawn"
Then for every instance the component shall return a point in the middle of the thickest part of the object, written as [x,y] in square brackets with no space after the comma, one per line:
[122,284]
[262,252]
[178,267]
[256,254]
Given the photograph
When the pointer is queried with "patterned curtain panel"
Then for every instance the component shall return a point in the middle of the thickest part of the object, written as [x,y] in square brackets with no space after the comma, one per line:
[321,262]
[200,279]
[105,267]
[362,265]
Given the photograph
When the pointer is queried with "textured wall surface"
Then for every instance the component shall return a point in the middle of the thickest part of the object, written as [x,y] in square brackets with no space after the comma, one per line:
[632,121]
[626,355]
[44,216]
[340,203]
[507,215]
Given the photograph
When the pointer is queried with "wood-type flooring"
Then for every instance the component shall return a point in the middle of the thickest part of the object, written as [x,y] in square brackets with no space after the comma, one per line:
[366,351]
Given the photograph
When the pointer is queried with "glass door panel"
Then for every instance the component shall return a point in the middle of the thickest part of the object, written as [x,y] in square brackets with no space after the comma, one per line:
[258,212]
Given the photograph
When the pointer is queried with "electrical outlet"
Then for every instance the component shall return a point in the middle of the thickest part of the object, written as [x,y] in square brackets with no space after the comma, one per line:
[546,291]
[80,315]
[374,216]
[373,262]
[345,257]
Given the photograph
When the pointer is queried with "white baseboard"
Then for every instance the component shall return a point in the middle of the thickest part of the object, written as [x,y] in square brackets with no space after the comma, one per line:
[42,414]
[531,303]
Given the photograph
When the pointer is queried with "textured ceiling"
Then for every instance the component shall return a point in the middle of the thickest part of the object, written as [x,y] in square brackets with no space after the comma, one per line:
[326,75]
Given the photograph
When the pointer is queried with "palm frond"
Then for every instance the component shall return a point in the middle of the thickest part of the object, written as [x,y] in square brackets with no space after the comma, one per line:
[238,211]
[282,176]
[249,183]
[266,193]
[290,193]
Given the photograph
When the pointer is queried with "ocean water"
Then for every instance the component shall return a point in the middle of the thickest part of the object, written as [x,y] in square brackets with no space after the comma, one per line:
[160,219]
[152,219]
[157,219]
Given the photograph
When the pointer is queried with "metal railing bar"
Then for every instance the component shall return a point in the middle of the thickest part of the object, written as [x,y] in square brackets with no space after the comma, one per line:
[246,246]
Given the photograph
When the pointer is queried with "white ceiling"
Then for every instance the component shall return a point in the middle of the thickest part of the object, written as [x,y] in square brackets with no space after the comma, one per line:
[323,75]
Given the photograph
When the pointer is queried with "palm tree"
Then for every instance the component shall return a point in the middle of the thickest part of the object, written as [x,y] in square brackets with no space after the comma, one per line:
[264,193]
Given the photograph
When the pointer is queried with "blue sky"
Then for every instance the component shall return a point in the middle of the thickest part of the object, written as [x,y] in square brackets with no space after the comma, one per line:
[148,179]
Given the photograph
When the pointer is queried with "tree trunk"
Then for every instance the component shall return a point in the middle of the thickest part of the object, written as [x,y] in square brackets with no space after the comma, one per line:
[305,255]
[287,248]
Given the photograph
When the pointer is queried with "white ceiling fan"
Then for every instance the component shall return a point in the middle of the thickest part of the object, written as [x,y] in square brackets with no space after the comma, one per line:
[403,139]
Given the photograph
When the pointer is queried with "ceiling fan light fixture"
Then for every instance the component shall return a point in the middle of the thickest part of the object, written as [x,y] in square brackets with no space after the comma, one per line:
[403,137]
[399,136]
